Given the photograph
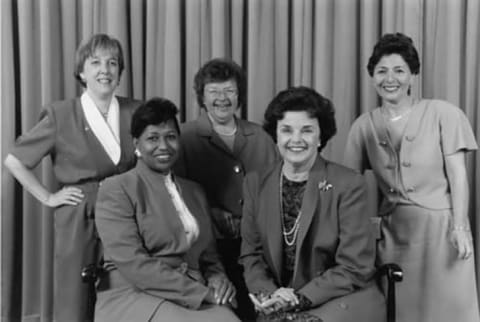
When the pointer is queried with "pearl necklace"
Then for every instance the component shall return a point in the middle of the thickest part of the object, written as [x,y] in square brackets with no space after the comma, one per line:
[290,236]
[225,133]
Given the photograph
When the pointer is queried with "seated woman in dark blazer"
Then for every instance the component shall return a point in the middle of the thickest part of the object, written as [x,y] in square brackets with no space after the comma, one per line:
[157,236]
[307,246]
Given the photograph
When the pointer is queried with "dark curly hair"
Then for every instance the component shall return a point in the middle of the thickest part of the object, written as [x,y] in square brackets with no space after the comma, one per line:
[220,70]
[301,99]
[87,49]
[396,43]
[155,111]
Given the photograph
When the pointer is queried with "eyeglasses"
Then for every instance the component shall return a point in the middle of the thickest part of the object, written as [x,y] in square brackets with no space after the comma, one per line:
[226,92]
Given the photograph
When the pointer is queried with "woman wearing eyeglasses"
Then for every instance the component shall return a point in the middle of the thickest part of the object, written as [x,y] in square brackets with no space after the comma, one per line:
[217,150]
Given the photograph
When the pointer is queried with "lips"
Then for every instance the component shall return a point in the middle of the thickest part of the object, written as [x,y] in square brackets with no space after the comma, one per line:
[296,148]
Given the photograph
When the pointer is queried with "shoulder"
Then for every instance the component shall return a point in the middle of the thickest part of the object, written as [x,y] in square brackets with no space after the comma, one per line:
[120,181]
[443,111]
[126,102]
[363,120]
[343,176]
[249,127]
[63,107]
[189,126]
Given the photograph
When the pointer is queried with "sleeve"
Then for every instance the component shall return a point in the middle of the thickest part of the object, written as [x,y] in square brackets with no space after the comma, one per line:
[355,253]
[116,224]
[455,131]
[32,146]
[210,263]
[256,271]
[355,154]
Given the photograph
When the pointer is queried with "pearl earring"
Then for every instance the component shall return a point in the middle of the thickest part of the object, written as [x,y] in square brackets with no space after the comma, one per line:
[137,153]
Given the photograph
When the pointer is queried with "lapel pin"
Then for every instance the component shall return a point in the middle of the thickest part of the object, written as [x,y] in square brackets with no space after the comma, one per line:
[324,185]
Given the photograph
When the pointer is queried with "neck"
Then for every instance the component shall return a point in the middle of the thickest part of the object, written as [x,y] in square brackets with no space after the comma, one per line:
[227,128]
[402,105]
[298,172]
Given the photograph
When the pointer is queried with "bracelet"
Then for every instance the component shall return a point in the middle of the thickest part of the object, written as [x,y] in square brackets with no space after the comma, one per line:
[460,228]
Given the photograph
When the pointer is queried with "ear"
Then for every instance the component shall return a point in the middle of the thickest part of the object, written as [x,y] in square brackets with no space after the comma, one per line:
[135,142]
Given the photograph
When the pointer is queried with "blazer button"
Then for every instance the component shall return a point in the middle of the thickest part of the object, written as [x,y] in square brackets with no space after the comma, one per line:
[343,306]
[391,190]
[237,169]
[409,138]
[406,164]
[383,143]
[240,202]
[411,189]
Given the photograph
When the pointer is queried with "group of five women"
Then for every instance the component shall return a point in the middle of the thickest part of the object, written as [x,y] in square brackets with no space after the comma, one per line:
[219,219]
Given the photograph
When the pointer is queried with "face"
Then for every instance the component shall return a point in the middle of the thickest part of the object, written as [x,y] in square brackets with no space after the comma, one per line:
[158,146]
[221,100]
[298,137]
[101,73]
[392,79]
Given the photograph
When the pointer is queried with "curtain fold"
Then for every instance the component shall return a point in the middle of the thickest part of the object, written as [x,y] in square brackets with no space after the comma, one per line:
[323,44]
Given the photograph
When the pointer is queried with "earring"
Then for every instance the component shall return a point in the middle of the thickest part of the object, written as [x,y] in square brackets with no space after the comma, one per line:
[137,153]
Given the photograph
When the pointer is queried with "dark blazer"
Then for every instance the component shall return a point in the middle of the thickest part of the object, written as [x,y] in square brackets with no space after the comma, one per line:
[205,158]
[335,248]
[144,237]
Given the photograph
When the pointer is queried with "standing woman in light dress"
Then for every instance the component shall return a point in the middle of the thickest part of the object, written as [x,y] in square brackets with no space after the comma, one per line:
[416,149]
[88,140]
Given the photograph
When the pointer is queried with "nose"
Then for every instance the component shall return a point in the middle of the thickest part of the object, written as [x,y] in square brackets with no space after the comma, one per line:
[390,76]
[104,67]
[162,144]
[296,136]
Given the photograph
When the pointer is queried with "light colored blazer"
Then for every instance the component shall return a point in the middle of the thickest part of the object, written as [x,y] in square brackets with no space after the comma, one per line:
[144,237]
[335,248]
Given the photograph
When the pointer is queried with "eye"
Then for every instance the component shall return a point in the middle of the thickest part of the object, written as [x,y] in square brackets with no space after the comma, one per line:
[113,62]
[152,138]
[172,137]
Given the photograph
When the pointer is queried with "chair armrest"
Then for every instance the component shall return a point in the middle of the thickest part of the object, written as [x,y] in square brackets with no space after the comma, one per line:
[394,274]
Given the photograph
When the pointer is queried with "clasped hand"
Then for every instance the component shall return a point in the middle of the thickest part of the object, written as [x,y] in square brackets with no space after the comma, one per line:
[282,299]
[221,291]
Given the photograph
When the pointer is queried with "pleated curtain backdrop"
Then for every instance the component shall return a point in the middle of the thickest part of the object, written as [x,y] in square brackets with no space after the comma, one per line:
[324,44]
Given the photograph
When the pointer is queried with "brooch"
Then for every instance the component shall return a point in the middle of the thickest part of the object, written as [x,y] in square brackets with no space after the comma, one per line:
[324,185]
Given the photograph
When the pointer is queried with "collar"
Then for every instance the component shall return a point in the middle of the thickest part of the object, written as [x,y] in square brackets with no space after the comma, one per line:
[106,131]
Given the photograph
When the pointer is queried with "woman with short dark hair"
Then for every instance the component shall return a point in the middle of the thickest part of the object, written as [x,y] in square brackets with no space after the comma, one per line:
[307,247]
[155,227]
[416,149]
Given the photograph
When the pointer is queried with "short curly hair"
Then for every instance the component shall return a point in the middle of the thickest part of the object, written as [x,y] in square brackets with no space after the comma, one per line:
[301,99]
[155,111]
[395,43]
[220,70]
[87,49]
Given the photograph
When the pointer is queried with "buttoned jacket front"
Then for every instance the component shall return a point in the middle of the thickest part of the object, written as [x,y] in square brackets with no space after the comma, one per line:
[206,159]
[416,174]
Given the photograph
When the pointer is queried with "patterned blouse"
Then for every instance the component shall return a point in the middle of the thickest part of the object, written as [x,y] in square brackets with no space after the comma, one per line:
[292,195]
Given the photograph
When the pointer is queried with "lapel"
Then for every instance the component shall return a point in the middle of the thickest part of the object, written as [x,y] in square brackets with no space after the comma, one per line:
[311,198]
[243,131]
[270,211]
[205,129]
